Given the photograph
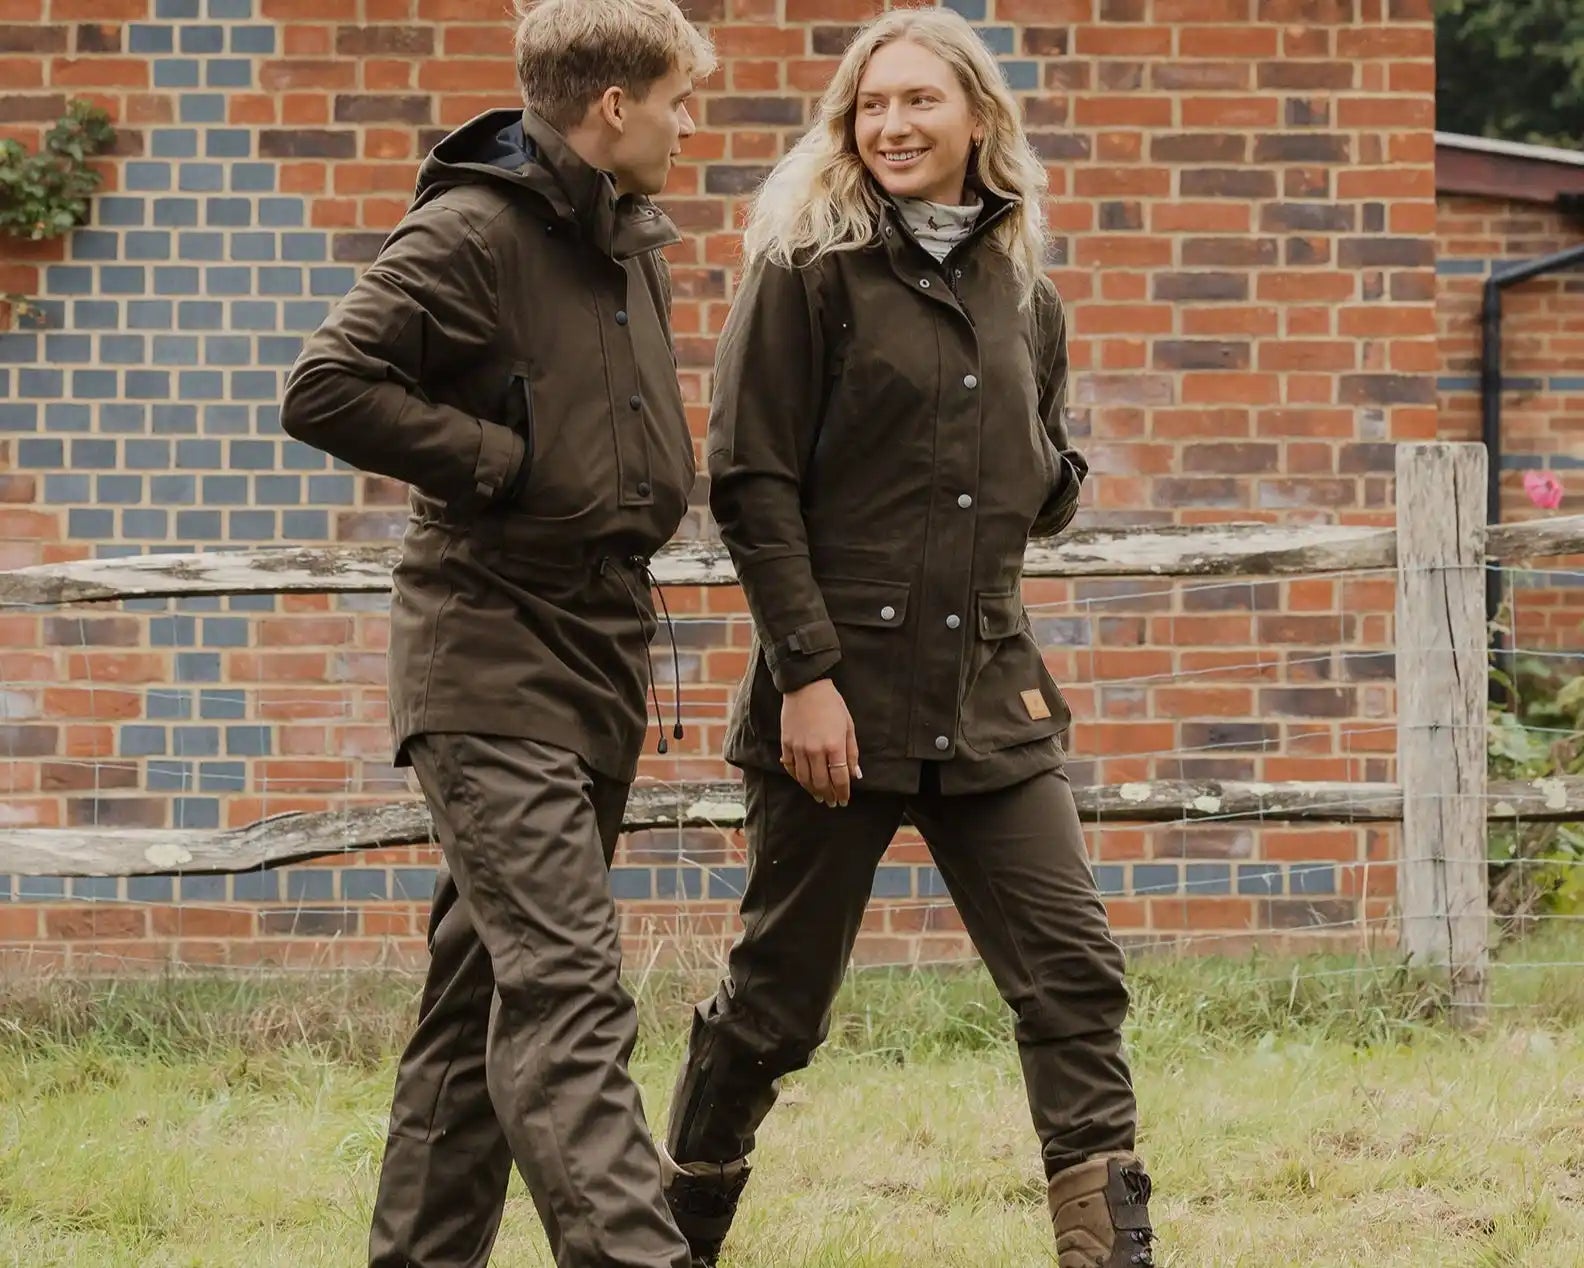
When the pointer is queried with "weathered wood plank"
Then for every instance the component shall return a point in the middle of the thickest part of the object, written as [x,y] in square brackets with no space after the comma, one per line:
[1441,695]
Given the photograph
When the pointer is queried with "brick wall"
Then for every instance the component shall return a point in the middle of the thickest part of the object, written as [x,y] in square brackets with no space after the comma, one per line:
[1243,195]
[1543,381]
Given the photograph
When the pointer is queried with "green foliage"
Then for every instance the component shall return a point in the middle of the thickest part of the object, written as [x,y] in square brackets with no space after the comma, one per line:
[45,195]
[1511,69]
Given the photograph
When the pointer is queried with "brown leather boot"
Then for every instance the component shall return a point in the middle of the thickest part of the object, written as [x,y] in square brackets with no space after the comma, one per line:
[1101,1212]
[703,1198]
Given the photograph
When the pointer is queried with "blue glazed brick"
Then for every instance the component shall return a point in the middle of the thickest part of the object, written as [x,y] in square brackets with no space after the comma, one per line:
[228,212]
[36,454]
[163,702]
[68,348]
[111,551]
[47,314]
[255,314]
[1312,878]
[169,777]
[1259,878]
[96,314]
[40,383]
[174,143]
[195,741]
[59,416]
[40,887]
[364,883]
[148,244]
[251,602]
[202,245]
[176,8]
[69,279]
[256,887]
[202,107]
[727,882]
[197,812]
[200,314]
[253,455]
[200,385]
[931,884]
[230,10]
[1155,878]
[123,349]
[225,490]
[176,350]
[199,526]
[276,280]
[279,349]
[222,776]
[17,417]
[94,384]
[95,244]
[305,248]
[228,350]
[173,631]
[119,210]
[139,740]
[123,418]
[973,10]
[148,455]
[1110,878]
[228,280]
[296,456]
[144,37]
[176,213]
[333,490]
[201,178]
[145,521]
[123,279]
[1209,878]
[17,348]
[228,72]
[146,177]
[281,213]
[203,889]
[121,490]
[892,882]
[225,143]
[150,314]
[173,490]
[5,889]
[170,420]
[334,282]
[632,883]
[175,72]
[314,884]
[203,39]
[999,39]
[95,888]
[94,453]
[225,631]
[253,39]
[148,385]
[225,420]
[197,667]
[149,889]
[277,490]
[203,455]
[253,178]
[225,704]
[1021,76]
[304,314]
[679,882]
[305,526]
[254,247]
[416,883]
[63,487]
[254,385]
[253,526]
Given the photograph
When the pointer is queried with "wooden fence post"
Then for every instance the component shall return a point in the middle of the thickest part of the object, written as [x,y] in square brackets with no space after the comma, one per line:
[1441,700]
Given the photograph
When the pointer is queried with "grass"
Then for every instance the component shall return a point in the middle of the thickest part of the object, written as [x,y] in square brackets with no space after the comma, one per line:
[1293,1114]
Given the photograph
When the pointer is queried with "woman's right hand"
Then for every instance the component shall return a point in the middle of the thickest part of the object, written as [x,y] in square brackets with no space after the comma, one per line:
[819,747]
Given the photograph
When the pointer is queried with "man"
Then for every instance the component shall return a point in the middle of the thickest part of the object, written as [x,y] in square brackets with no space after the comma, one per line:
[509,356]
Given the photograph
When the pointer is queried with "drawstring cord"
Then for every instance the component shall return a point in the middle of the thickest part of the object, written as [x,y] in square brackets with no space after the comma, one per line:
[642,565]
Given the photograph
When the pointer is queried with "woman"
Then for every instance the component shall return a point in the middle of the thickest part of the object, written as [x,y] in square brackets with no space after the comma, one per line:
[886,436]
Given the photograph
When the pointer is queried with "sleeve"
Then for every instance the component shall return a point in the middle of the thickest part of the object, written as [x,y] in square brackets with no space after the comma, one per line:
[763,420]
[425,309]
[1061,503]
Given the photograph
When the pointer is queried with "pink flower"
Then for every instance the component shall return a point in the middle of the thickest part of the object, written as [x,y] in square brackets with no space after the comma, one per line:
[1544,489]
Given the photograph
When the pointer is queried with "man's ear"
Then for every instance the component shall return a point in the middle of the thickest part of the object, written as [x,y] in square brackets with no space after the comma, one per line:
[613,108]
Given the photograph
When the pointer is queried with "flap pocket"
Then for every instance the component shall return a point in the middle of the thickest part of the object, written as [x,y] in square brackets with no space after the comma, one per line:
[882,604]
[1001,615]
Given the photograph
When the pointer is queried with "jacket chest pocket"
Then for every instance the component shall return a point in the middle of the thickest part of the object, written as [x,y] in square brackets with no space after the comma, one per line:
[1011,698]
[870,617]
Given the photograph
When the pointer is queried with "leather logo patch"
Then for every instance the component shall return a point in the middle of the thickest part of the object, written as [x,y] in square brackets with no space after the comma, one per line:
[1034,702]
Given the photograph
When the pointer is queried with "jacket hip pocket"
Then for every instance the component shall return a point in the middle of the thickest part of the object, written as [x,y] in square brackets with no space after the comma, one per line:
[1011,698]
[870,617]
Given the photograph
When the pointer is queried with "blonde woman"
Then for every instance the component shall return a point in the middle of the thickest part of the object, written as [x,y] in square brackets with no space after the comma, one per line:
[886,437]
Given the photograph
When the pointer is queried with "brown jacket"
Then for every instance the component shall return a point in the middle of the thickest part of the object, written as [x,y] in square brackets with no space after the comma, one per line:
[886,435]
[509,355]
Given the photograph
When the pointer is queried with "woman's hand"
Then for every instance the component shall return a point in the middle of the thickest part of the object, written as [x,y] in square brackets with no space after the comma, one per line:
[818,745]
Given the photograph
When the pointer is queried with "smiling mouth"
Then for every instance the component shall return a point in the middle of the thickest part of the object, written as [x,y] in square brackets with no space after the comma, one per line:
[902,156]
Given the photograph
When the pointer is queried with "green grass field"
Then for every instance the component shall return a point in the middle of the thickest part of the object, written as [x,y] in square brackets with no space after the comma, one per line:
[1293,1114]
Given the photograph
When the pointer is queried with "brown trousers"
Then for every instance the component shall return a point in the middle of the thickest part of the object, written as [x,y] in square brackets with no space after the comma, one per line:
[1013,861]
[524,1031]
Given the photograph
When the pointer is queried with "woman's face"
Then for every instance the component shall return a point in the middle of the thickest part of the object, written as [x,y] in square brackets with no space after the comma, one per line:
[914,126]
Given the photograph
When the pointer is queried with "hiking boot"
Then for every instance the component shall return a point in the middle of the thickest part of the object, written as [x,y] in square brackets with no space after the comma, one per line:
[1101,1212]
[703,1199]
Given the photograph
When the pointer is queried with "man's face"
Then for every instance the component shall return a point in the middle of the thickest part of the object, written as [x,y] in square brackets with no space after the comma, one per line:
[653,129]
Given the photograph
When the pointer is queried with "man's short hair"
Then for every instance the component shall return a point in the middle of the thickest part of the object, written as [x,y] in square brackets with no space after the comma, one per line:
[570,51]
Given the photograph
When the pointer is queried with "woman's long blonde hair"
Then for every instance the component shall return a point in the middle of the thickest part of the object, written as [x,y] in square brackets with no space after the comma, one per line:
[821,198]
